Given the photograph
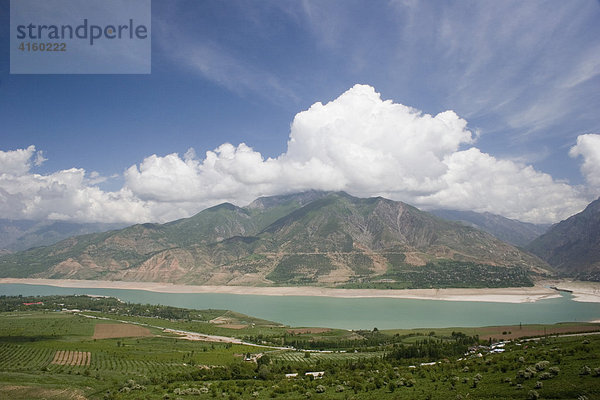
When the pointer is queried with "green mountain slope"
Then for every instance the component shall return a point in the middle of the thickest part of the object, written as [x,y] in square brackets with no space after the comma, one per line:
[317,238]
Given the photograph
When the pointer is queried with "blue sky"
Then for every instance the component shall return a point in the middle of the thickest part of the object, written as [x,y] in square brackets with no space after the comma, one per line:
[523,76]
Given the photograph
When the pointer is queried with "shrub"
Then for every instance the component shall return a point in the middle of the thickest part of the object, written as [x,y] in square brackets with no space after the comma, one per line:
[546,375]
[585,370]
[529,372]
[533,395]
[320,389]
[542,365]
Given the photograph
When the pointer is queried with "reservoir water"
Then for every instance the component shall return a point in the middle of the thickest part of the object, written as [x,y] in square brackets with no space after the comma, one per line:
[344,313]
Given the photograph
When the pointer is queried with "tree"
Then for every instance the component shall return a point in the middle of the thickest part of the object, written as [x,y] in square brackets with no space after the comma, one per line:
[264,360]
[264,372]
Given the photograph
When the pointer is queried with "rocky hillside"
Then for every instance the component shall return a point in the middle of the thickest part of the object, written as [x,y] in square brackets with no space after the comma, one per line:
[573,245]
[511,231]
[315,238]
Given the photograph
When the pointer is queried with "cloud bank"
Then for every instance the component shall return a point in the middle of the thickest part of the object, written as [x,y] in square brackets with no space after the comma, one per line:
[358,143]
[63,195]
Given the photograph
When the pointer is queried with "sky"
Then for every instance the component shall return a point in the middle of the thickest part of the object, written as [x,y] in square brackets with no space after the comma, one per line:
[489,106]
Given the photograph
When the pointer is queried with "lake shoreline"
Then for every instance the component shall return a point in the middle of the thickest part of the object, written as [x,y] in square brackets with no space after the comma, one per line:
[582,291]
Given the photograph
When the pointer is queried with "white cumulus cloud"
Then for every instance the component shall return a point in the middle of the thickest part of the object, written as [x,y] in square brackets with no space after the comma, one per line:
[19,161]
[366,146]
[480,182]
[358,143]
[588,147]
[64,195]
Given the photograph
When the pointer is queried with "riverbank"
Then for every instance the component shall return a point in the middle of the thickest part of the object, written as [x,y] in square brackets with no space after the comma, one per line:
[582,291]
[587,292]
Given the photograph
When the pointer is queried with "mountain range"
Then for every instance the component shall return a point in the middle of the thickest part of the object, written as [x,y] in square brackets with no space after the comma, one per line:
[310,238]
[511,231]
[573,245]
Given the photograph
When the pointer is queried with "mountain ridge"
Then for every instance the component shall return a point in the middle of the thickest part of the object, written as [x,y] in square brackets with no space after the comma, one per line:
[512,231]
[316,238]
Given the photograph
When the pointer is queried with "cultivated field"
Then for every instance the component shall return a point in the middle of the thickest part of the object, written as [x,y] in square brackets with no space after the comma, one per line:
[508,331]
[312,358]
[234,326]
[300,331]
[28,392]
[107,331]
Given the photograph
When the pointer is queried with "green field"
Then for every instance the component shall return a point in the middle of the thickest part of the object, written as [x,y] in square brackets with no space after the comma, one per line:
[49,353]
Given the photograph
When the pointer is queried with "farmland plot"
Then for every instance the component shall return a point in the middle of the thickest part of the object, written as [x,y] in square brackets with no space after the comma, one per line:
[108,331]
[301,357]
[18,357]
[73,358]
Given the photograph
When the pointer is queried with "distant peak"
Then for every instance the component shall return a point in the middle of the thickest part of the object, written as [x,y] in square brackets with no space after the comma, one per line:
[302,198]
[223,206]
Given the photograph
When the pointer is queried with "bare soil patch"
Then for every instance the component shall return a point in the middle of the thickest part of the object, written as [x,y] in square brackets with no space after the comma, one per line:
[300,331]
[33,392]
[108,331]
[222,320]
[74,358]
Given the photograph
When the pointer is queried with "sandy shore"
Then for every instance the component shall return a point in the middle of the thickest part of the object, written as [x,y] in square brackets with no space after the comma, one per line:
[587,292]
[583,291]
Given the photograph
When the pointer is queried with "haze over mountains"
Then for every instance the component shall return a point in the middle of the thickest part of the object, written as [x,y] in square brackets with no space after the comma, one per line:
[511,231]
[17,235]
[323,238]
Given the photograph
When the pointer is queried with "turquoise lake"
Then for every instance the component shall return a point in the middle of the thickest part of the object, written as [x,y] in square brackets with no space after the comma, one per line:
[361,313]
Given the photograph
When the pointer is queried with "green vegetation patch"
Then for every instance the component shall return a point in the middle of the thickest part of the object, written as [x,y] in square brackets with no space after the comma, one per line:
[446,274]
[360,263]
[301,268]
[395,259]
